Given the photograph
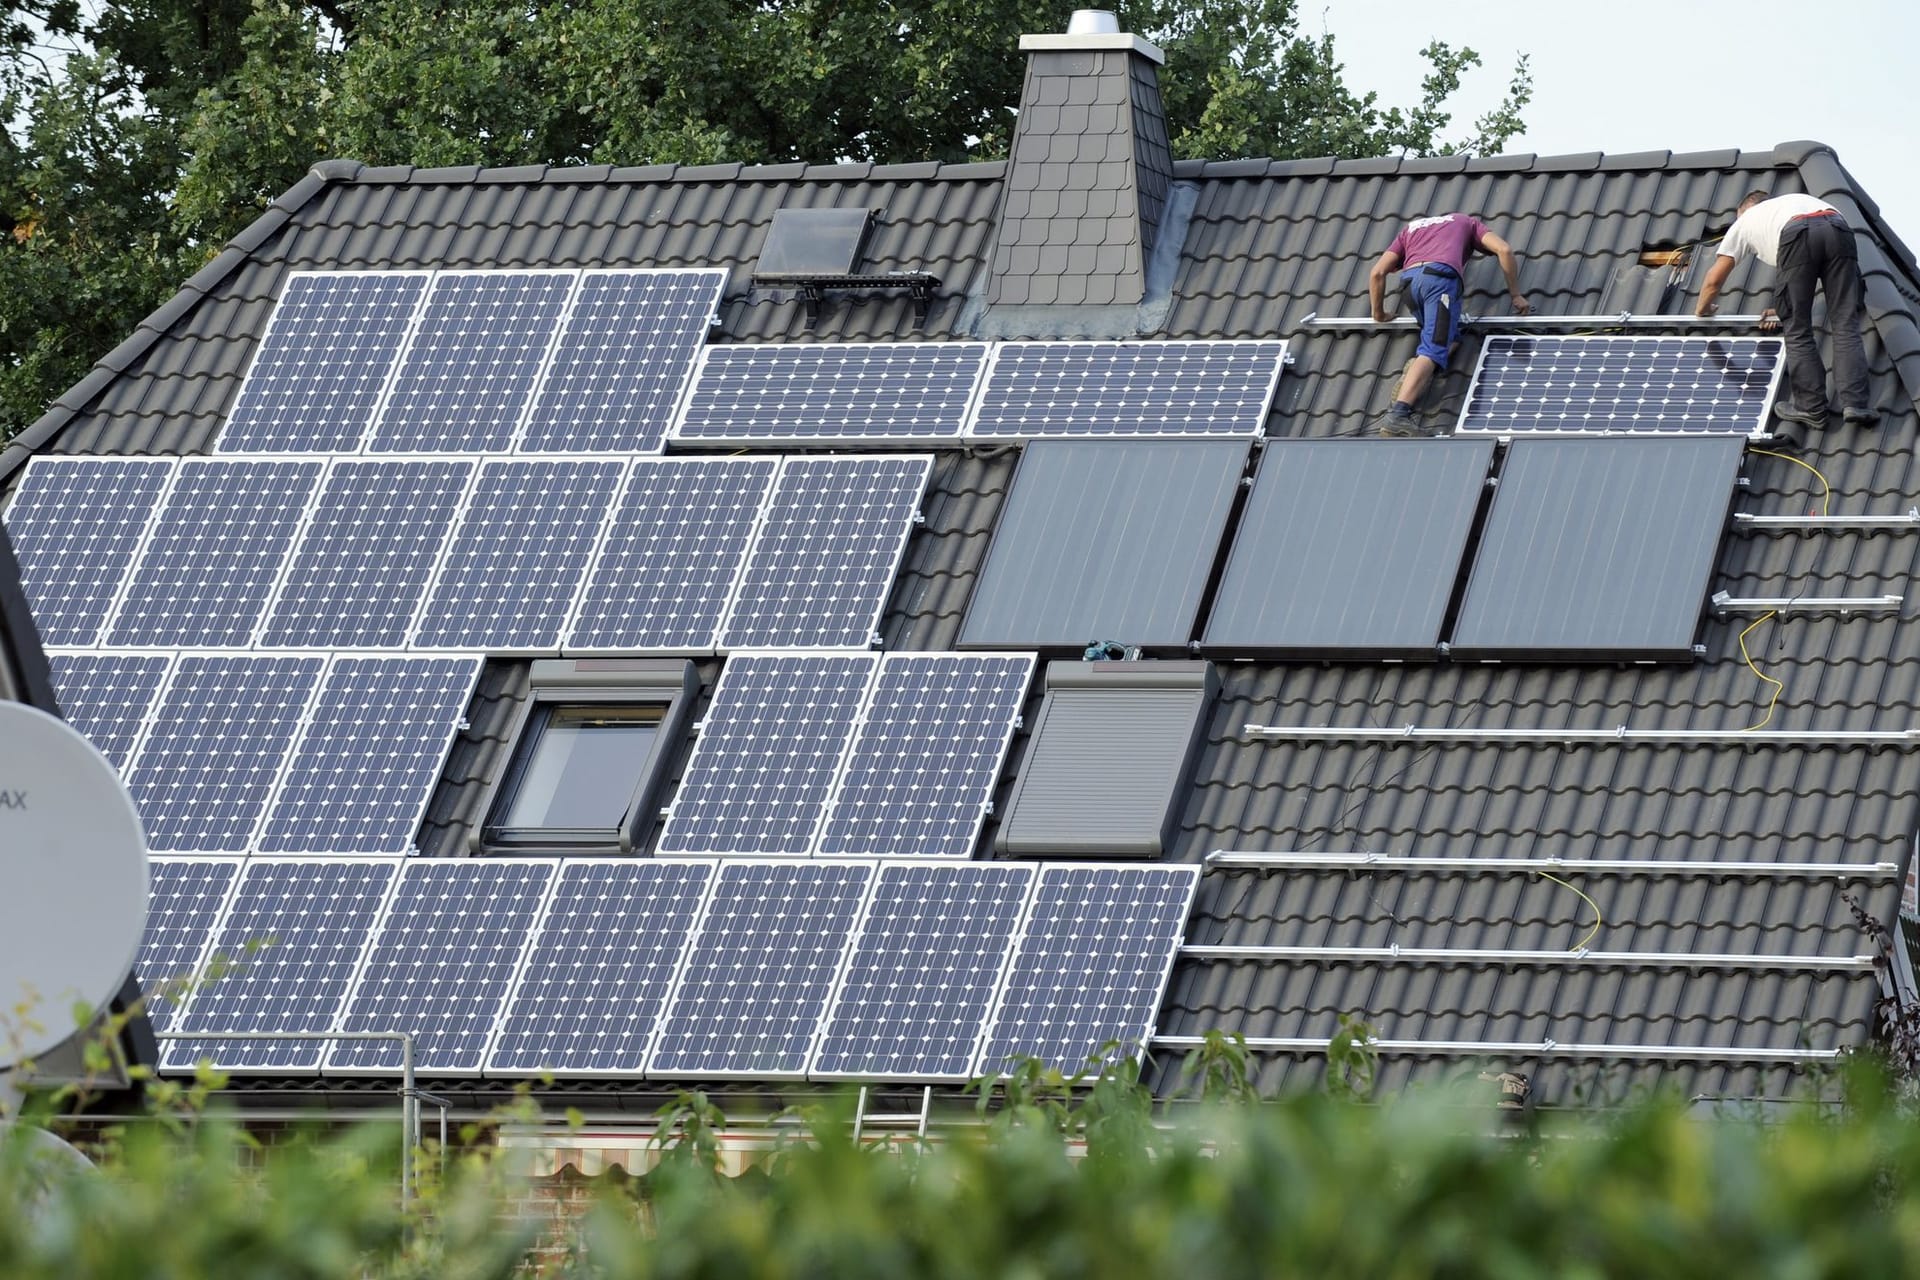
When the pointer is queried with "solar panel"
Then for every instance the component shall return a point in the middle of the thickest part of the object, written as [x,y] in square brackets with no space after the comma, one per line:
[1598,549]
[765,761]
[1583,385]
[1105,540]
[820,570]
[470,368]
[369,756]
[922,972]
[76,524]
[185,896]
[597,975]
[838,392]
[759,970]
[215,551]
[441,963]
[1128,389]
[920,772]
[209,760]
[289,946]
[1349,548]
[107,696]
[516,561]
[673,550]
[328,347]
[1092,964]
[361,567]
[622,360]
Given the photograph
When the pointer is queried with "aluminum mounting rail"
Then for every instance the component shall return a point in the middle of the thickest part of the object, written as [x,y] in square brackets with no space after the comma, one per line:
[1532,866]
[1724,603]
[1523,1048]
[1415,733]
[1466,955]
[1755,521]
[1623,320]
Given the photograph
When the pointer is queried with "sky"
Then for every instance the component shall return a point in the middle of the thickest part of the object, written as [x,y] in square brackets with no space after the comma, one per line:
[1672,75]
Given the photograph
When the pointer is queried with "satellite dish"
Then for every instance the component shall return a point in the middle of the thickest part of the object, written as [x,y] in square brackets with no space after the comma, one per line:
[73,881]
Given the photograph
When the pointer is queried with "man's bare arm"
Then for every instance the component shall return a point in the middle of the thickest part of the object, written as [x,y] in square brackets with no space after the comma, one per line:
[1510,266]
[1710,289]
[1384,266]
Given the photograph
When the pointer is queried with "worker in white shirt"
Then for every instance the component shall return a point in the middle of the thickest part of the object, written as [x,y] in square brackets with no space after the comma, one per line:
[1808,241]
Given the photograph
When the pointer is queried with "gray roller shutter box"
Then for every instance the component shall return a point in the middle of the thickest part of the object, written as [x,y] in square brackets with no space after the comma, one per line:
[1109,758]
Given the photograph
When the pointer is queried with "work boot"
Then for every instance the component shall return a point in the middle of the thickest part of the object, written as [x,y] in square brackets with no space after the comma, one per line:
[1813,418]
[1862,418]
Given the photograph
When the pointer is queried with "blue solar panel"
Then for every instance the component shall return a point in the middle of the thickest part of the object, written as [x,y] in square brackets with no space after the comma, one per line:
[107,697]
[673,549]
[819,572]
[328,348]
[183,905]
[441,963]
[826,392]
[765,761]
[1128,389]
[517,559]
[361,567]
[215,551]
[287,948]
[367,761]
[1588,385]
[75,525]
[1092,964]
[597,976]
[622,361]
[922,973]
[467,374]
[210,758]
[921,769]
[760,969]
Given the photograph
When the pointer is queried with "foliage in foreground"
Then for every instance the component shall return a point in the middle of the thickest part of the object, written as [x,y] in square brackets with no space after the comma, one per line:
[1056,1182]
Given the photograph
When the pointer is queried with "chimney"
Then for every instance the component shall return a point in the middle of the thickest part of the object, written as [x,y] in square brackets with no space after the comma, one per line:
[1088,180]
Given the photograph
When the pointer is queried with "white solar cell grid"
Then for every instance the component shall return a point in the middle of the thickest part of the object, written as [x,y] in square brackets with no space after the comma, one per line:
[921,768]
[108,697]
[597,975]
[1586,385]
[214,552]
[1092,964]
[366,762]
[1207,388]
[622,361]
[185,898]
[441,962]
[820,570]
[75,525]
[759,970]
[767,755]
[215,747]
[919,981]
[358,573]
[514,565]
[328,349]
[470,367]
[287,949]
[838,392]
[673,549]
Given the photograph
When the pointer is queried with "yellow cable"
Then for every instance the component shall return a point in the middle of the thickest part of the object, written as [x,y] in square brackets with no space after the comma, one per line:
[1778,686]
[1826,490]
[1582,944]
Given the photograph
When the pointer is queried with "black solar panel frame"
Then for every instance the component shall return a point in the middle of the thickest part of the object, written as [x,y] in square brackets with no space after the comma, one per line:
[1496,343]
[716,353]
[978,430]
[103,596]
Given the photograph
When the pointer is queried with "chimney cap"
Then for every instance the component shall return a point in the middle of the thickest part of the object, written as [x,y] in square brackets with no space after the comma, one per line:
[1093,29]
[1093,22]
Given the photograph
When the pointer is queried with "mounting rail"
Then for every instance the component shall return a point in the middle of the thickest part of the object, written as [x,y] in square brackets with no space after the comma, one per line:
[1725,604]
[1729,737]
[1752,520]
[1624,320]
[1376,862]
[1472,955]
[1523,1049]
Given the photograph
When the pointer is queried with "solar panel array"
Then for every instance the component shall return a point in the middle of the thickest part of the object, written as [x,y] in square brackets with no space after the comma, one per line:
[826,393]
[1601,384]
[1036,389]
[75,525]
[880,970]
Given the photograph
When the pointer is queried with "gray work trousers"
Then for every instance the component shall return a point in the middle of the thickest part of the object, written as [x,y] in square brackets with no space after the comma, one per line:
[1820,252]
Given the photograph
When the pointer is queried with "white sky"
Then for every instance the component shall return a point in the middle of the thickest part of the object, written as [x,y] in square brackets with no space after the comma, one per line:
[1667,75]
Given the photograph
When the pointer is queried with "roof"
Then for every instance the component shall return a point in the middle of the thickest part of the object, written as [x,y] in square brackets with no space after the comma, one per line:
[1267,243]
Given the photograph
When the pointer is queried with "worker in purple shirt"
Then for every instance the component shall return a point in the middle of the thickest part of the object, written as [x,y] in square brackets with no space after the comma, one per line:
[1807,240]
[1431,255]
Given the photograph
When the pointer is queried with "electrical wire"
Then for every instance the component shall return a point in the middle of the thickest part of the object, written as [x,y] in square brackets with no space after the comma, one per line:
[1778,686]
[1826,489]
[1597,921]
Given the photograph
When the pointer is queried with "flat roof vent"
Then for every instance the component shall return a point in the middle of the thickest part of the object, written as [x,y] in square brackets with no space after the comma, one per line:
[1093,22]
[815,250]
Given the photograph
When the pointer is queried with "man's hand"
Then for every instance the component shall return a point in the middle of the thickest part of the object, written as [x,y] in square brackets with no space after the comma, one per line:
[1769,321]
[1706,308]
[1521,306]
[1380,315]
